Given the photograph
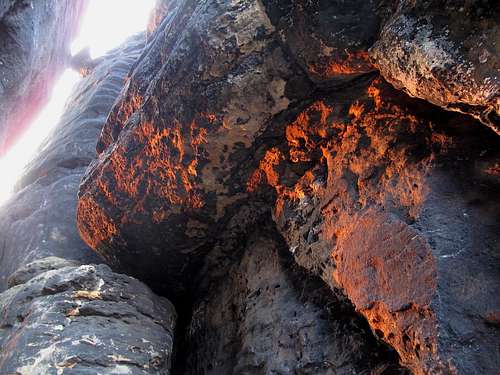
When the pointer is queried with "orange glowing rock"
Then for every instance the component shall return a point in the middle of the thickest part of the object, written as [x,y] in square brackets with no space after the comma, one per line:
[97,222]
[344,63]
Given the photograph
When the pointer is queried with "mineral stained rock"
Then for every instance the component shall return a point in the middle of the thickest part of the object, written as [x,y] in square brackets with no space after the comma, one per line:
[392,211]
[236,108]
[35,38]
[84,320]
[39,219]
[446,52]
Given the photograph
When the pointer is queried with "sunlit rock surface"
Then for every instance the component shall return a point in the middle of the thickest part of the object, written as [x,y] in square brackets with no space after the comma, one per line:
[238,110]
[35,37]
[39,219]
[62,314]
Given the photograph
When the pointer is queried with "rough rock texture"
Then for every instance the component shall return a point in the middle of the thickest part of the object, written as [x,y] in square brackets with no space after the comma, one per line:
[383,214]
[446,52]
[39,220]
[238,109]
[35,38]
[84,320]
[59,316]
[268,317]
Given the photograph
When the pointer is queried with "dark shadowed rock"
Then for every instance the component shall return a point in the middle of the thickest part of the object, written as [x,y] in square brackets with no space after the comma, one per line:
[84,320]
[39,219]
[35,38]
[446,52]
[267,317]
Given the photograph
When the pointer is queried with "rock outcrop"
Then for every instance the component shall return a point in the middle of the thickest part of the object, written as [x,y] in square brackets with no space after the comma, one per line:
[446,52]
[63,313]
[309,182]
[85,320]
[35,43]
[278,107]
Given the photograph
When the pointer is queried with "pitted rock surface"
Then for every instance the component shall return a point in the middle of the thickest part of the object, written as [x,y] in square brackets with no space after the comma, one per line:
[85,320]
[446,52]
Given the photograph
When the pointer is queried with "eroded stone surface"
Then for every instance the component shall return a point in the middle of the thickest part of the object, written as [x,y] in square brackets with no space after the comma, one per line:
[446,52]
[266,316]
[82,320]
[223,120]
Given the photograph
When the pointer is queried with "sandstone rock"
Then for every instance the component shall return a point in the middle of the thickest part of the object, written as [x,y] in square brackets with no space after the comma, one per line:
[39,219]
[171,192]
[447,53]
[84,320]
[222,120]
[382,213]
[267,317]
[30,270]
[35,39]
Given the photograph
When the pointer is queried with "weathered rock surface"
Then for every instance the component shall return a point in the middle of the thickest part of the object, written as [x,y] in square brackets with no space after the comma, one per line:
[171,192]
[390,208]
[249,107]
[267,317]
[35,38]
[59,316]
[84,320]
[245,128]
[446,52]
[39,219]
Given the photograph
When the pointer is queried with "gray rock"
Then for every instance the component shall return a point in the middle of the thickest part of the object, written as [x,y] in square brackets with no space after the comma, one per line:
[35,38]
[39,219]
[445,52]
[84,320]
[266,316]
[29,271]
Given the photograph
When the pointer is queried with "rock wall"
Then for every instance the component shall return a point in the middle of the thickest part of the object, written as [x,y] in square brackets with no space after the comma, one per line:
[62,312]
[278,107]
[35,39]
[39,219]
[309,182]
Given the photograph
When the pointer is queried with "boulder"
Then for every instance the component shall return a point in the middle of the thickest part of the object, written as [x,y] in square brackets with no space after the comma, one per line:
[445,52]
[84,320]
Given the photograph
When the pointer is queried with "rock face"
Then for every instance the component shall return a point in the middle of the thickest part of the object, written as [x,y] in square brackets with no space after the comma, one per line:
[82,320]
[268,317]
[446,52]
[242,109]
[39,220]
[60,316]
[35,39]
[262,165]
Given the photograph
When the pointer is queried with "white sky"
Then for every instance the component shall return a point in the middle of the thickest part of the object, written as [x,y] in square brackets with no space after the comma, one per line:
[106,24]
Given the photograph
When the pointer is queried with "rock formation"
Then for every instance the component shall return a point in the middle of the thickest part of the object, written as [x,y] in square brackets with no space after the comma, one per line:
[63,312]
[35,38]
[314,185]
